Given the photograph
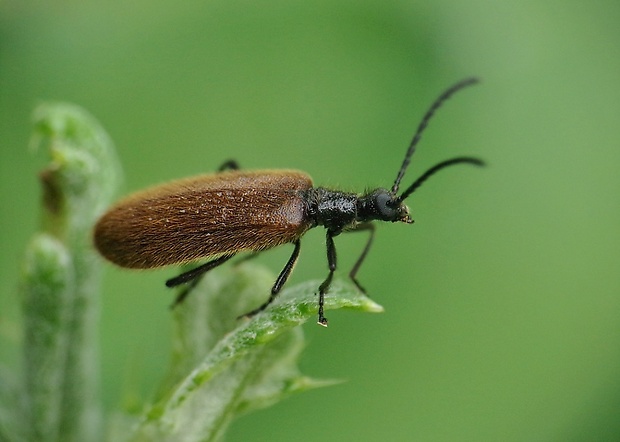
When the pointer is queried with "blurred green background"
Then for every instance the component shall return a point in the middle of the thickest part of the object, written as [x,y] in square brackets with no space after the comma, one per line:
[502,302]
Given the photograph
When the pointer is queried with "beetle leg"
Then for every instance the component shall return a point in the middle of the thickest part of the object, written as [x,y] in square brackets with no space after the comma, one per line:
[324,287]
[360,260]
[193,277]
[229,165]
[280,281]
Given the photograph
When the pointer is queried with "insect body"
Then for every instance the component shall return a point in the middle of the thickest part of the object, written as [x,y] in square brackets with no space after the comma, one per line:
[217,216]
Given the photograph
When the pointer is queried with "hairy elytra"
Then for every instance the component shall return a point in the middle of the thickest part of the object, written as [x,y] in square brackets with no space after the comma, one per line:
[204,216]
[219,215]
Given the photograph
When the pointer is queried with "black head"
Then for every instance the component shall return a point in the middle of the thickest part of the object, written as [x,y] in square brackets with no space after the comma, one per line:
[382,205]
[387,205]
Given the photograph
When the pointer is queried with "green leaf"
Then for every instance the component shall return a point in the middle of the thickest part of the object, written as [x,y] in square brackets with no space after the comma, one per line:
[47,286]
[60,280]
[12,427]
[253,365]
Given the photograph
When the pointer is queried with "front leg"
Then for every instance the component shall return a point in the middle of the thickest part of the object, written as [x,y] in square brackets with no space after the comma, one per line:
[324,287]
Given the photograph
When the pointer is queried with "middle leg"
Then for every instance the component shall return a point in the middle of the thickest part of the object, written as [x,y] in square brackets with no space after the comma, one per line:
[280,281]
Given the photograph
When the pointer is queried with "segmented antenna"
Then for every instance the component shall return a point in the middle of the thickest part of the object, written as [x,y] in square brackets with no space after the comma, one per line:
[436,168]
[416,138]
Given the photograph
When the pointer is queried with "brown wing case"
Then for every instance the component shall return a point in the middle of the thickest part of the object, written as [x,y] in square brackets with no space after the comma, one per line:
[205,216]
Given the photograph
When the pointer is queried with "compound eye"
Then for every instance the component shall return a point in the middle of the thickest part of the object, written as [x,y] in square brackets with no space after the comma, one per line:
[385,206]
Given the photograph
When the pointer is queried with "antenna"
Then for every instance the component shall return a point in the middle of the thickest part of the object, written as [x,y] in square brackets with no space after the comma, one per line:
[416,138]
[436,168]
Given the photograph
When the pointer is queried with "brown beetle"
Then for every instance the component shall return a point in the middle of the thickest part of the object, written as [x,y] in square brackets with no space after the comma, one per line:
[219,215]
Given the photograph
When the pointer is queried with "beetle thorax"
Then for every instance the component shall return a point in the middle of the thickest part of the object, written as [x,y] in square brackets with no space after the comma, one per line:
[333,209]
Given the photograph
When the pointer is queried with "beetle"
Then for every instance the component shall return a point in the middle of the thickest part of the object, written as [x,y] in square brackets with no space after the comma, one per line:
[219,215]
